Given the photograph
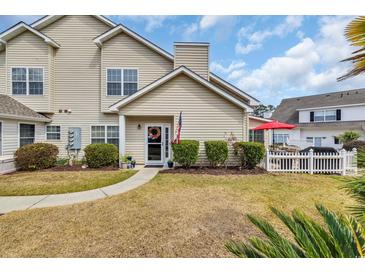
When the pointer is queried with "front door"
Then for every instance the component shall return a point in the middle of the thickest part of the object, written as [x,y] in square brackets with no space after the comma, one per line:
[317,141]
[157,144]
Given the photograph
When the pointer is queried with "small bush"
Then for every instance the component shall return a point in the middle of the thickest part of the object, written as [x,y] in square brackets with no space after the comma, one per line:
[217,152]
[36,156]
[358,144]
[186,153]
[250,153]
[349,136]
[101,155]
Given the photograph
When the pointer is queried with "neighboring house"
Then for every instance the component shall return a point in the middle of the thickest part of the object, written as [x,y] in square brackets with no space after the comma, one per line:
[106,84]
[320,119]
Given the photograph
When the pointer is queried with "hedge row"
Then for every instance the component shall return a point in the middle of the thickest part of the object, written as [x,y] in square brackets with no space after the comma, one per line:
[186,153]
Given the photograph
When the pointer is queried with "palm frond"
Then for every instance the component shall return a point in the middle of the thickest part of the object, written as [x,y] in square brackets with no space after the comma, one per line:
[355,34]
[356,189]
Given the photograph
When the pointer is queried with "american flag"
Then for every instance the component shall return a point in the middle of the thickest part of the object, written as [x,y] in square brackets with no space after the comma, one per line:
[179,125]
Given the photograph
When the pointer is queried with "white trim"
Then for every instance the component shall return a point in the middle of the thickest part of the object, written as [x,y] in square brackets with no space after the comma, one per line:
[122,79]
[122,135]
[164,159]
[120,28]
[35,130]
[2,137]
[171,75]
[240,93]
[24,118]
[105,130]
[44,21]
[46,39]
[199,44]
[331,107]
[26,81]
[259,118]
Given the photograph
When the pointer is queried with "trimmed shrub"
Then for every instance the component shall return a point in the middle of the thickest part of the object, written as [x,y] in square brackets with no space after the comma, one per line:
[349,136]
[36,156]
[101,155]
[186,153]
[217,152]
[250,153]
[358,144]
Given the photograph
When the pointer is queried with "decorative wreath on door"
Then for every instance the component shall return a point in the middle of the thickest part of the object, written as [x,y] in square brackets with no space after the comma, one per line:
[154,133]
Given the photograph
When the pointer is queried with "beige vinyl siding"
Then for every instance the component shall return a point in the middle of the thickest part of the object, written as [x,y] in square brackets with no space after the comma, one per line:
[2,71]
[135,138]
[29,50]
[194,57]
[206,115]
[77,76]
[123,51]
[11,134]
[230,92]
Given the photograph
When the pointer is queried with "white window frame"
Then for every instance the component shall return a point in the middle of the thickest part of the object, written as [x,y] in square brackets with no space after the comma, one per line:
[1,137]
[122,80]
[105,131]
[24,123]
[324,116]
[26,80]
[46,132]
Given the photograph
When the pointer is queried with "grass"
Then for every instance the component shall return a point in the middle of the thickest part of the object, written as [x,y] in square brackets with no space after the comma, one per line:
[175,215]
[56,182]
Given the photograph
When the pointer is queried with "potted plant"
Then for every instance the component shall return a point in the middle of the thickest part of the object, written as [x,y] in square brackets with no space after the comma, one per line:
[123,162]
[133,163]
[170,163]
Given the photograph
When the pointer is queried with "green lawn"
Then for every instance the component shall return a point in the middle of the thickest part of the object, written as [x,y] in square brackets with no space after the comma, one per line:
[55,182]
[174,215]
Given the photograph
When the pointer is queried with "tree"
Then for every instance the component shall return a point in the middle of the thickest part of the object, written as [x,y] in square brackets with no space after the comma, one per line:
[260,110]
[355,34]
[349,136]
[343,236]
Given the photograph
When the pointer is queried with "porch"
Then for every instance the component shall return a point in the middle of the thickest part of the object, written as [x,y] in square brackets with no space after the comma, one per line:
[146,138]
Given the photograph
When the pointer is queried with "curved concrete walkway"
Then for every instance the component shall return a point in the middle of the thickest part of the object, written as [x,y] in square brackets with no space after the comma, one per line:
[11,203]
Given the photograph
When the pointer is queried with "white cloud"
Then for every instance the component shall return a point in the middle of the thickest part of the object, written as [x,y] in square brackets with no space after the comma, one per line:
[249,41]
[152,22]
[311,66]
[222,25]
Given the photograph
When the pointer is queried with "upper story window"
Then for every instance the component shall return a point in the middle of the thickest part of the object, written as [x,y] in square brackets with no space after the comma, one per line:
[122,82]
[325,115]
[27,81]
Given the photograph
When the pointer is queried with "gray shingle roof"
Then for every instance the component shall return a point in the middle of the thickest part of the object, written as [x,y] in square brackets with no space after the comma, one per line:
[11,108]
[287,110]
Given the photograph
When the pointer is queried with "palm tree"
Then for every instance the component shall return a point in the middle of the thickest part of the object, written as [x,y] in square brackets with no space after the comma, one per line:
[343,236]
[355,34]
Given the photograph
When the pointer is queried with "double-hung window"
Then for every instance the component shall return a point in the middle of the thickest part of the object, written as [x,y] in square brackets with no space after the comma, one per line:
[53,132]
[121,82]
[26,134]
[105,134]
[280,138]
[27,81]
[325,116]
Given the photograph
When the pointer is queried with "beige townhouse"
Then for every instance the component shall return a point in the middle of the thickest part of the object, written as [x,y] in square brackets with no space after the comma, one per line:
[76,80]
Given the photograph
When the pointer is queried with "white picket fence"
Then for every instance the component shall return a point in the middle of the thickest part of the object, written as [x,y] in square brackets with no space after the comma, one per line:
[344,162]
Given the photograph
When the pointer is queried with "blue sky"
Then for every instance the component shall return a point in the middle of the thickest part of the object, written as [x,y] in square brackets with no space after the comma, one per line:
[270,57]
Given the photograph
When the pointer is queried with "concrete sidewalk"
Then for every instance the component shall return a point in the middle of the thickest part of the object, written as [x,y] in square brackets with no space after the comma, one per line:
[11,203]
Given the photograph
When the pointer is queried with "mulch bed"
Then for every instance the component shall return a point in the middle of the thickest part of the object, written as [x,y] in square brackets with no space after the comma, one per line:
[79,168]
[215,171]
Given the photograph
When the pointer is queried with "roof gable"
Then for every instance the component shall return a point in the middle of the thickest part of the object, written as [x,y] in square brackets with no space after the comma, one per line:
[171,75]
[49,19]
[104,37]
[20,28]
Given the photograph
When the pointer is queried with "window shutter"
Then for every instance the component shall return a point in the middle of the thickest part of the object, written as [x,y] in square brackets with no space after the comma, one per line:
[338,114]
[311,116]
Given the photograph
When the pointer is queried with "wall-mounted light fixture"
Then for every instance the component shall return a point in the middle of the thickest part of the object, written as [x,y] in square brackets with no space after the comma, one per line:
[139,126]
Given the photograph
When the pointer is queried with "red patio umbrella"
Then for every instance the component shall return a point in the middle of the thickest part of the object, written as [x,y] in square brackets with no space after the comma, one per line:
[274,124]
